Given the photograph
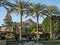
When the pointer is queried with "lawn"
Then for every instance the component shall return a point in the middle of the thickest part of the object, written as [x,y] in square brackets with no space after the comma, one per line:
[12,43]
[49,42]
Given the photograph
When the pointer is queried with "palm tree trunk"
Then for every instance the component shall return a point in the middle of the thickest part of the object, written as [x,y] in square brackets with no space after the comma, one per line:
[37,28]
[20,26]
[50,27]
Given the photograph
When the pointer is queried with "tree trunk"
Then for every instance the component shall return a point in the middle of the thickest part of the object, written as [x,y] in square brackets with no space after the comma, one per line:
[21,12]
[50,27]
[20,27]
[37,28]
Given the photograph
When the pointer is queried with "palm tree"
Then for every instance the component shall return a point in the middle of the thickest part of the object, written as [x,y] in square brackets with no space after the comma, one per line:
[19,7]
[50,11]
[35,10]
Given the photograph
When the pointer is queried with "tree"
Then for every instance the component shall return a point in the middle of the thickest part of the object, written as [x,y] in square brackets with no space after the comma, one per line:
[29,29]
[50,11]
[15,27]
[15,30]
[55,28]
[8,20]
[35,10]
[46,26]
[19,6]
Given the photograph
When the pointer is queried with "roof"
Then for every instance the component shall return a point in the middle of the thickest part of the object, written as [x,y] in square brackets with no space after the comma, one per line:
[27,23]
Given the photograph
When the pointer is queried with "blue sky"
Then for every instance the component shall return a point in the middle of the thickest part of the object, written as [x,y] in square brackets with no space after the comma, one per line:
[16,18]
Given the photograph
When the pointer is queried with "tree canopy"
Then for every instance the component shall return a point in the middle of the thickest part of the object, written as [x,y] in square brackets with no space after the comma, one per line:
[46,25]
[8,19]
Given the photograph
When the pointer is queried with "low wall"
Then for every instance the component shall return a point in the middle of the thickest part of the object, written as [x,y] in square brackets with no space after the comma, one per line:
[2,42]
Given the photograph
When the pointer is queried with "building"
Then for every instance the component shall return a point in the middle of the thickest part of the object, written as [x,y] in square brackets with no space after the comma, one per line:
[28,22]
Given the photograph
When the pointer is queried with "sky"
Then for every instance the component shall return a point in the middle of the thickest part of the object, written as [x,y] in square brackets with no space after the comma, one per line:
[16,18]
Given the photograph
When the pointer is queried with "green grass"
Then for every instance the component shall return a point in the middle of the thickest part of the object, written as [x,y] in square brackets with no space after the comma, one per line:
[12,43]
[49,42]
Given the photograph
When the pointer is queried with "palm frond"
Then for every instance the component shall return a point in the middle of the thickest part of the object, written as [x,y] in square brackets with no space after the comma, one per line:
[14,11]
[5,7]
[45,12]
[52,10]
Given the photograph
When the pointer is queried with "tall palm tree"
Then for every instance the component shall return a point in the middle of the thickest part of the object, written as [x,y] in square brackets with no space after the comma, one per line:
[19,7]
[50,11]
[35,11]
